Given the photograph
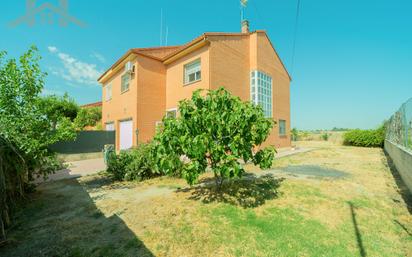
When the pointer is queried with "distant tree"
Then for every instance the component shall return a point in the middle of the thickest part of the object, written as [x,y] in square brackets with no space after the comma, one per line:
[295,134]
[214,130]
[88,117]
[57,107]
[340,129]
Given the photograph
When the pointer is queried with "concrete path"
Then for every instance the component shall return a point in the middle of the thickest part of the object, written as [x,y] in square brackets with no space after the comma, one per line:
[77,169]
[292,151]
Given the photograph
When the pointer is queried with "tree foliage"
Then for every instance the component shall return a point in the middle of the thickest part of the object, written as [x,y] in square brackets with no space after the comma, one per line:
[58,107]
[214,130]
[88,117]
[25,130]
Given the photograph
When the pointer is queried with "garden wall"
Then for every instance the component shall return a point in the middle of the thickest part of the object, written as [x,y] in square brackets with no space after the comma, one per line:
[402,159]
[398,143]
[86,142]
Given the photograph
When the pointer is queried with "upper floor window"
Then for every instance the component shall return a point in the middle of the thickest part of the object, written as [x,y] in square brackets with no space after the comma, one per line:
[282,127]
[192,72]
[261,91]
[125,82]
[108,92]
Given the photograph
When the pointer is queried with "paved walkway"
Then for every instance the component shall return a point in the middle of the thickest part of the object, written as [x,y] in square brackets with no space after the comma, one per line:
[292,151]
[77,169]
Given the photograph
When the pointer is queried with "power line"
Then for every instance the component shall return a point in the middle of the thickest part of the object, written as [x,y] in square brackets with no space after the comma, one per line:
[295,35]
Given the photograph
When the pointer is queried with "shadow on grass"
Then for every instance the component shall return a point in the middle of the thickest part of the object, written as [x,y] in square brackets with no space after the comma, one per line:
[403,227]
[248,192]
[402,188]
[358,235]
[62,220]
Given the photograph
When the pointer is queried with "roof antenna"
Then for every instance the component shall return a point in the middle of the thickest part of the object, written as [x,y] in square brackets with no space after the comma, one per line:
[243,4]
[167,34]
[161,26]
[244,24]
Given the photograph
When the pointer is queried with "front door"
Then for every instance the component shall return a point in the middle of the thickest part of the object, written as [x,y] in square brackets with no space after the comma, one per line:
[126,134]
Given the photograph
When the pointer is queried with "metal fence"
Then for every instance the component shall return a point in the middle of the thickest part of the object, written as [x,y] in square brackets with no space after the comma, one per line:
[86,142]
[399,126]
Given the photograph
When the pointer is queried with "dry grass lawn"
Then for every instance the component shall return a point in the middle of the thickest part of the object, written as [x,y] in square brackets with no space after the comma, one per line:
[277,214]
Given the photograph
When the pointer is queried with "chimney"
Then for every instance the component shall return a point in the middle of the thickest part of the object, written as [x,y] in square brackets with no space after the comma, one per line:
[245,26]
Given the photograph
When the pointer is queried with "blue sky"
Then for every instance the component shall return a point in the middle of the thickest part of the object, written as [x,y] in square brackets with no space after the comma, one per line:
[353,59]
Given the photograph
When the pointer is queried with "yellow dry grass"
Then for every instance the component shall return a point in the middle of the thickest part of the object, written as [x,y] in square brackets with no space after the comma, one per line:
[170,219]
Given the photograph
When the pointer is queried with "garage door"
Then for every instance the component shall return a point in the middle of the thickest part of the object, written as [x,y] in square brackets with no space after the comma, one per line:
[126,134]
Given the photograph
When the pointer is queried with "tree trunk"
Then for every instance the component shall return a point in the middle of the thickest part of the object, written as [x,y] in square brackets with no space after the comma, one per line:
[2,230]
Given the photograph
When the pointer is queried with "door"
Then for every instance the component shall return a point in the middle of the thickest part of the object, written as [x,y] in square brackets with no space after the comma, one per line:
[126,134]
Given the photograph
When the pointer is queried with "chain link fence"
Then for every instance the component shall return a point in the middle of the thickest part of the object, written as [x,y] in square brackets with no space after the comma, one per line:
[399,126]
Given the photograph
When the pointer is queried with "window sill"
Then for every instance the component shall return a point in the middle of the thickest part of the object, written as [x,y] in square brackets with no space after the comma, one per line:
[190,83]
[283,136]
[124,91]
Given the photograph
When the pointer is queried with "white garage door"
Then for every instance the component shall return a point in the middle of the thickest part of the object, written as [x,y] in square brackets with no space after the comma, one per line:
[126,134]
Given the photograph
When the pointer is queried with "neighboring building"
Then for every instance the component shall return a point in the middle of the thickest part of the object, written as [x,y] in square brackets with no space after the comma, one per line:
[91,105]
[146,83]
[99,123]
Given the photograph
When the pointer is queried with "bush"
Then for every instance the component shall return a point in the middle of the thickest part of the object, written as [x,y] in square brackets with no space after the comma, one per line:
[135,164]
[365,138]
[116,164]
[143,164]
[325,136]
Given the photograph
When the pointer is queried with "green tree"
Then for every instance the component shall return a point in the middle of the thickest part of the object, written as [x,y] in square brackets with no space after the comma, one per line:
[57,107]
[25,131]
[295,134]
[88,117]
[213,130]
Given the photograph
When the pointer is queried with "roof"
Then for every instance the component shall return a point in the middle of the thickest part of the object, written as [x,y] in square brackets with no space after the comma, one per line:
[157,53]
[90,105]
[165,53]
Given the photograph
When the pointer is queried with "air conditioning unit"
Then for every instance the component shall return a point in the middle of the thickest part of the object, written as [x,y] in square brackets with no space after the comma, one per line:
[129,67]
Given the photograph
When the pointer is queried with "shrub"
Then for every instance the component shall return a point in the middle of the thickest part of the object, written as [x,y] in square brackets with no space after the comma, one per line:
[116,164]
[325,136]
[135,164]
[143,164]
[365,138]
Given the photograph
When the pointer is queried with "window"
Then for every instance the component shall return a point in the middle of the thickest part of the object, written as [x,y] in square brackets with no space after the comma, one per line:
[192,72]
[171,113]
[125,82]
[261,91]
[282,128]
[108,92]
[110,126]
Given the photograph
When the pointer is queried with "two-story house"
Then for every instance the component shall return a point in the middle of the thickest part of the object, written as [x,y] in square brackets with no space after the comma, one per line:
[147,83]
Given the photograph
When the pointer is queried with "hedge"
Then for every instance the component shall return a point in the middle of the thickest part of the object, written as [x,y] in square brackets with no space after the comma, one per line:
[365,138]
